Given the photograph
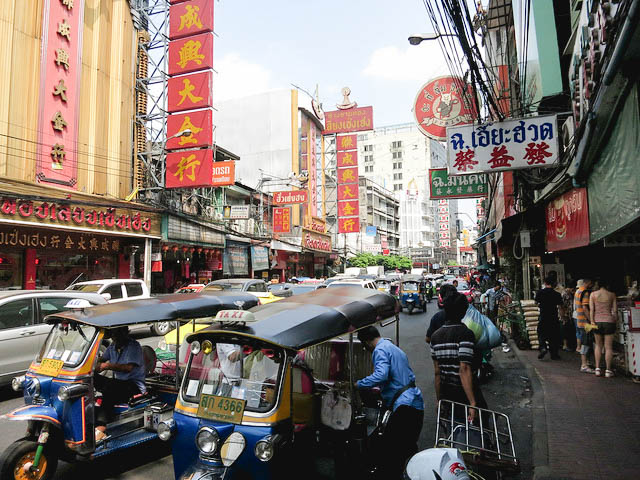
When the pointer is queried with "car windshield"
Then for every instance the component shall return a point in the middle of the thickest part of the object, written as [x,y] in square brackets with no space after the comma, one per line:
[344,284]
[463,286]
[67,342]
[298,289]
[410,286]
[92,287]
[216,287]
[245,371]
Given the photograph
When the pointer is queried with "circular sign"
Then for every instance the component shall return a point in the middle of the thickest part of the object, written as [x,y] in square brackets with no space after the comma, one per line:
[440,103]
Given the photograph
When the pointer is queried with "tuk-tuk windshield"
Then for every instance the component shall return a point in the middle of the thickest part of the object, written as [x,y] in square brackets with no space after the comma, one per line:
[68,342]
[244,371]
[410,286]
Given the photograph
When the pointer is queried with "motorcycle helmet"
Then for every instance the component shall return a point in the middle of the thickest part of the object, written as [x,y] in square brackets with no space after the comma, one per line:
[437,464]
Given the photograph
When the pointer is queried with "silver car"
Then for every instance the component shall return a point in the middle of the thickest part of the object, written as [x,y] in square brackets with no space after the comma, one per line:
[22,329]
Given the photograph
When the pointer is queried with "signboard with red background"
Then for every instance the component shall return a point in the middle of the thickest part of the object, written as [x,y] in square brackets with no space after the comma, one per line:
[347,159]
[291,197]
[189,92]
[347,142]
[57,161]
[189,169]
[201,125]
[568,221]
[190,18]
[440,103]
[191,54]
[281,219]
[350,120]
[224,173]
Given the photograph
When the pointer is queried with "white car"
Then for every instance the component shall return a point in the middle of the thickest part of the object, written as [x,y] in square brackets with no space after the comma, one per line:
[120,290]
[354,282]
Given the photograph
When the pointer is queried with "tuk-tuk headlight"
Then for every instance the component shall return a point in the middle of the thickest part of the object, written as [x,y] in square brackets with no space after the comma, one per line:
[165,429]
[207,440]
[264,449]
[17,383]
[195,347]
[162,344]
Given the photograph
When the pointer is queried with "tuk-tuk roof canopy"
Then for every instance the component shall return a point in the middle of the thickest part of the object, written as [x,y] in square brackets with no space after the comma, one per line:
[157,309]
[411,278]
[308,319]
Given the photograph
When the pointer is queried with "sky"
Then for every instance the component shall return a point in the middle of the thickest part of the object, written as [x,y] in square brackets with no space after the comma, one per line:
[331,44]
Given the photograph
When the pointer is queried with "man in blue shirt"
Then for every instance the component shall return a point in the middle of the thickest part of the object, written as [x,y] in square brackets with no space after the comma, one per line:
[393,375]
[124,357]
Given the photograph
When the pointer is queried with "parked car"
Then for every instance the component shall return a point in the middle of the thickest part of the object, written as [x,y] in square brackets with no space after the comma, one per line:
[191,288]
[463,288]
[22,329]
[354,282]
[254,286]
[308,286]
[281,289]
[116,290]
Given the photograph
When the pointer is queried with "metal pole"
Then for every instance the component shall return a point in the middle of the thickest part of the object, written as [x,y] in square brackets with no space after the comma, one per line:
[526,285]
[397,330]
[147,262]
[178,354]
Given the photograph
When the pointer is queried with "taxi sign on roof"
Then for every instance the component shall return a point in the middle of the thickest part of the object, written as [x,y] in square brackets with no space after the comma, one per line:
[235,316]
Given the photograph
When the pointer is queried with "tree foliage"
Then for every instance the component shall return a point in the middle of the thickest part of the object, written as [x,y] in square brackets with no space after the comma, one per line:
[389,262]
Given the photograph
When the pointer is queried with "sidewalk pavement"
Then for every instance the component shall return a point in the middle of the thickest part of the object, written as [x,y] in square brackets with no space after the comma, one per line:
[585,427]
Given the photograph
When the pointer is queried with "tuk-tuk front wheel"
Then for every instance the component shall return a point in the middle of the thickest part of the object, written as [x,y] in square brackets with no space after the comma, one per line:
[19,456]
[410,308]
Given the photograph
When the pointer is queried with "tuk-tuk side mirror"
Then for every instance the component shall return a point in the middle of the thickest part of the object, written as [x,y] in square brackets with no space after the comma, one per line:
[106,296]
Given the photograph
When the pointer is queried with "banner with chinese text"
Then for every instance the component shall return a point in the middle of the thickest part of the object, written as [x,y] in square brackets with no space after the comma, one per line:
[200,123]
[443,185]
[190,18]
[492,147]
[281,219]
[568,221]
[191,54]
[189,169]
[444,235]
[189,92]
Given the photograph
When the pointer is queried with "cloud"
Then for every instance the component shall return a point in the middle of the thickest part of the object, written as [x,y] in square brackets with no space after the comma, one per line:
[238,77]
[411,64]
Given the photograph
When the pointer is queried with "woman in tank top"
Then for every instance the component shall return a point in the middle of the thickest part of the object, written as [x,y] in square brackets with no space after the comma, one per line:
[603,312]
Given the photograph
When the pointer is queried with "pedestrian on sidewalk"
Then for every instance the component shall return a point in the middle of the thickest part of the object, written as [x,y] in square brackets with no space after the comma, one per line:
[568,323]
[452,351]
[439,317]
[549,332]
[582,316]
[574,315]
[603,310]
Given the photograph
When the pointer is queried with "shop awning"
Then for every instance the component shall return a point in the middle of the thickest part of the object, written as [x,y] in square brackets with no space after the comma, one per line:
[285,247]
[478,242]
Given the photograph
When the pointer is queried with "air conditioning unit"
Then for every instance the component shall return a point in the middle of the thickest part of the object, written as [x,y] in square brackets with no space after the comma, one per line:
[568,131]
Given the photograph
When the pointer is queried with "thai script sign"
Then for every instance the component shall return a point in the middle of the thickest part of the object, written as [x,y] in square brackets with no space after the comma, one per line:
[443,102]
[371,231]
[351,120]
[443,185]
[373,248]
[568,221]
[235,260]
[316,241]
[60,69]
[317,225]
[35,238]
[236,212]
[223,173]
[526,143]
[281,219]
[259,258]
[291,197]
[54,214]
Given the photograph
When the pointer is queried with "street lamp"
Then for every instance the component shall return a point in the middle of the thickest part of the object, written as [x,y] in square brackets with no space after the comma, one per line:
[418,38]
[184,133]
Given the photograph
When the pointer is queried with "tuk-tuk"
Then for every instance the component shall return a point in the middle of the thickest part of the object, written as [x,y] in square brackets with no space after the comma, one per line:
[59,391]
[266,389]
[388,284]
[412,293]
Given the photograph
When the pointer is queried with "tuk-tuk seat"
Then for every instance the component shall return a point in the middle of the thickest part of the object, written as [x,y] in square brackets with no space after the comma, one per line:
[140,398]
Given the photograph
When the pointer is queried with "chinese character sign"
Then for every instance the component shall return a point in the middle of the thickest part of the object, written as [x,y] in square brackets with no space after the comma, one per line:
[444,185]
[347,177]
[444,234]
[281,219]
[347,159]
[56,158]
[190,91]
[189,169]
[191,54]
[568,221]
[199,123]
[349,225]
[190,18]
[515,144]
[348,208]
[346,142]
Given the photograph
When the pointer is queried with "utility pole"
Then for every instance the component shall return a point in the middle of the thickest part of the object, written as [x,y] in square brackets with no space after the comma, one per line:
[525,243]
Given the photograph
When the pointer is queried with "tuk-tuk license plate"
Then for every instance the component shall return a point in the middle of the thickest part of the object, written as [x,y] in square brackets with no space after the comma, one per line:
[50,367]
[223,409]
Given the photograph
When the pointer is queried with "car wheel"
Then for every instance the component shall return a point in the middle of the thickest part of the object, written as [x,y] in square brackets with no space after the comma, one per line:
[161,328]
[410,308]
[21,453]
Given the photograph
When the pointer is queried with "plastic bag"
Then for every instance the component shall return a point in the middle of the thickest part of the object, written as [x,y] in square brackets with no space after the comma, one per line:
[486,333]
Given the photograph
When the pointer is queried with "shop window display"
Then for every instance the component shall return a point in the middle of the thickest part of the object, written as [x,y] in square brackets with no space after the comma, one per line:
[56,272]
[11,269]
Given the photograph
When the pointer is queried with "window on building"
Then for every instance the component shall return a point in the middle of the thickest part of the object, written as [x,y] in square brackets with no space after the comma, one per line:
[362,138]
[397,186]
[368,169]
[368,148]
[396,144]
[368,158]
[397,165]
[397,176]
[396,155]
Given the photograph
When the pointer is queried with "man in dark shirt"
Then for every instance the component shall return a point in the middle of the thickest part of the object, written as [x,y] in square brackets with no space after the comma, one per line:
[438,319]
[549,330]
[452,353]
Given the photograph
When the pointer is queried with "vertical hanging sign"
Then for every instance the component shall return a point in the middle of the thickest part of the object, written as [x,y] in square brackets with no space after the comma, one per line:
[57,161]
[347,173]
[444,229]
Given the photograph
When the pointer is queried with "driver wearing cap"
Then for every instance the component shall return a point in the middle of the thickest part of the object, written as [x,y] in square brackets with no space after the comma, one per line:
[123,357]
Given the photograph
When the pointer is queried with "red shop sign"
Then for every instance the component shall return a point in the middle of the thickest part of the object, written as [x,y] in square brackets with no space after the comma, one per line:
[348,191]
[189,92]
[190,18]
[349,225]
[351,120]
[347,175]
[281,219]
[291,197]
[191,168]
[568,221]
[200,124]
[348,208]
[191,54]
[347,159]
[346,142]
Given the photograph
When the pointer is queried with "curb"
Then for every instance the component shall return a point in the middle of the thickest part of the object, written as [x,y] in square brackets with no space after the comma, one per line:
[540,453]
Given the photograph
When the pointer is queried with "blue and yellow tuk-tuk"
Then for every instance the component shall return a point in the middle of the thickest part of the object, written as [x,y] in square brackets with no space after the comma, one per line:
[59,391]
[412,293]
[264,389]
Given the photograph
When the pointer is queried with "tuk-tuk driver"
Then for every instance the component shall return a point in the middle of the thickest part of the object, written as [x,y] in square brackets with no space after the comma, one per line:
[393,374]
[123,357]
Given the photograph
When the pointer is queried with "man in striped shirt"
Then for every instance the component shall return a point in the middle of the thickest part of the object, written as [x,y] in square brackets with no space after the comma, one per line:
[452,353]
